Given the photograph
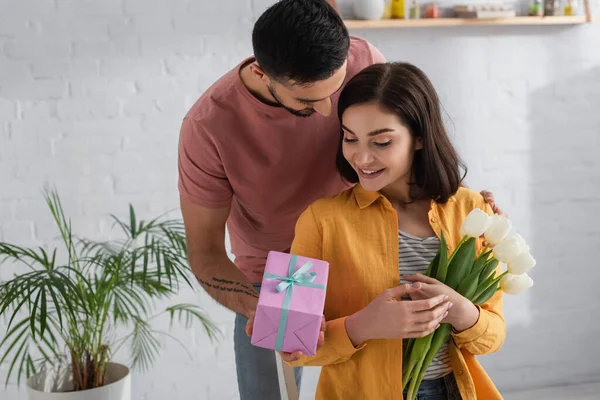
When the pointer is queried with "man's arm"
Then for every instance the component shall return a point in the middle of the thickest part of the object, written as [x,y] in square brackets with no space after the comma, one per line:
[218,275]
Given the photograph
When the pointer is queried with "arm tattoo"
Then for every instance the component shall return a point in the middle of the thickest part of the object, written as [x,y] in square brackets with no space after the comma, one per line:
[228,286]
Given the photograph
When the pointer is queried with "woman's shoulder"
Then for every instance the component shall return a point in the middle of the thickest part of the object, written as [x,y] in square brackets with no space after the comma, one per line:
[465,200]
[334,204]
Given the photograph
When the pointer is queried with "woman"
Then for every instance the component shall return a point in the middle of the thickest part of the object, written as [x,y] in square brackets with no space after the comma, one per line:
[394,146]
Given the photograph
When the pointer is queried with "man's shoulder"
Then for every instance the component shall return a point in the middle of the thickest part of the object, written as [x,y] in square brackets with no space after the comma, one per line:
[361,55]
[216,101]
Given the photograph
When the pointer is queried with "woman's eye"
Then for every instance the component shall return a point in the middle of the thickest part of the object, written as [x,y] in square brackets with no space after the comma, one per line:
[386,144]
[348,140]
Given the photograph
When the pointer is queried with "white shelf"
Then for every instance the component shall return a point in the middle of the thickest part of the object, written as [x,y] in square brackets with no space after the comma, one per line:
[440,22]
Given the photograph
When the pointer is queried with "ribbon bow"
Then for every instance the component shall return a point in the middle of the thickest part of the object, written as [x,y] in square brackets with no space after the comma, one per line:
[299,278]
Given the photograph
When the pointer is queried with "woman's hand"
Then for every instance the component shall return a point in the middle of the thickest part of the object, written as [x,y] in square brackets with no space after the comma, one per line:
[386,317]
[463,315]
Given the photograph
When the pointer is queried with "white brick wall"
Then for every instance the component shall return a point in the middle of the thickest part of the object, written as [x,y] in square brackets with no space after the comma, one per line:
[92,93]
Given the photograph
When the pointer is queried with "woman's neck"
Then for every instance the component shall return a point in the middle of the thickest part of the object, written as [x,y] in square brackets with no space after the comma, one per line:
[402,192]
[412,208]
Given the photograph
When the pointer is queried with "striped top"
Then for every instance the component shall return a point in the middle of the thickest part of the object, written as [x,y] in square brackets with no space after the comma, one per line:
[414,256]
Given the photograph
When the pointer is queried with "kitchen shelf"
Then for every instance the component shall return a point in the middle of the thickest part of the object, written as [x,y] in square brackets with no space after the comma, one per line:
[439,22]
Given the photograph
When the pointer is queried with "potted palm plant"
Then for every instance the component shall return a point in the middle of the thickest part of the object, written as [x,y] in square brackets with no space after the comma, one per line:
[64,310]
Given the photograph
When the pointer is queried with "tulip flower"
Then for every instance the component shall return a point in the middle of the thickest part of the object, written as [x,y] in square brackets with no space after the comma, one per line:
[475,224]
[510,248]
[498,230]
[521,263]
[515,284]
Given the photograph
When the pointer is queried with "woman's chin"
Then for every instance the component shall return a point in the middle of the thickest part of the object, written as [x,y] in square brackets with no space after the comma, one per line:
[370,185]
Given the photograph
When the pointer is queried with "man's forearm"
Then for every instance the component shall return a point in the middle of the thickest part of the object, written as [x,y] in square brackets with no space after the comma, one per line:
[225,283]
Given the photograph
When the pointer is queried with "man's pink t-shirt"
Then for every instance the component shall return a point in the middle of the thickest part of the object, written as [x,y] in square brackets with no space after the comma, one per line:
[267,163]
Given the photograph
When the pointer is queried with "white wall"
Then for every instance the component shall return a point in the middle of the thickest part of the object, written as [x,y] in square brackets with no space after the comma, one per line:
[92,94]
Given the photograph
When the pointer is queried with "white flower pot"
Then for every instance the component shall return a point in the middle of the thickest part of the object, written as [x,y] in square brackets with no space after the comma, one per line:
[56,385]
[369,9]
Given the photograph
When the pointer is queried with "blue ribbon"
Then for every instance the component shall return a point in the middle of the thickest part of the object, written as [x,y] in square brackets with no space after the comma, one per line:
[301,278]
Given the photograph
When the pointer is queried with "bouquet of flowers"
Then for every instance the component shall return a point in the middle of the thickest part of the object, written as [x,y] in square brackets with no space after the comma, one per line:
[474,277]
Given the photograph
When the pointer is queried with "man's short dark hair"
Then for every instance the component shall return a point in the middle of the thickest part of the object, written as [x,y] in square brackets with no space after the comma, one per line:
[304,41]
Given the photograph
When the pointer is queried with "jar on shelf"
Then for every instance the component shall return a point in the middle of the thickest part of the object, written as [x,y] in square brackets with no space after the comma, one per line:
[432,11]
[570,8]
[551,8]
[369,9]
[398,9]
[536,9]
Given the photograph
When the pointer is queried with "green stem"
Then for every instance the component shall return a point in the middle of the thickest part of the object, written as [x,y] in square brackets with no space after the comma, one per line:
[485,249]
[462,241]
[420,355]
[419,349]
[440,337]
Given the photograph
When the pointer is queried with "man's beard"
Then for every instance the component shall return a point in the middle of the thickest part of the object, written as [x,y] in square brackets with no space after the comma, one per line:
[307,112]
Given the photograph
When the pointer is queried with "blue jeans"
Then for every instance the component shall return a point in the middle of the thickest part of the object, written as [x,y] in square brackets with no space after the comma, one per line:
[444,388]
[256,367]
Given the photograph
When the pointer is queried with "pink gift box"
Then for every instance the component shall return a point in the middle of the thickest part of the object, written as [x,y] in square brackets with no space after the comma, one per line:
[298,329]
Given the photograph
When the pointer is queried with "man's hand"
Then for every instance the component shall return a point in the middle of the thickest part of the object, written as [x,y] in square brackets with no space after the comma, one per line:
[290,357]
[489,198]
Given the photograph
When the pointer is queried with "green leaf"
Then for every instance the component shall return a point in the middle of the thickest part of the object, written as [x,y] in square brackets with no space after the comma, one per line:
[144,346]
[132,224]
[442,271]
[12,332]
[433,265]
[121,224]
[487,294]
[32,316]
[43,312]
[480,263]
[411,367]
[490,281]
[461,263]
[468,286]
[440,336]
[185,313]
[16,358]
[415,372]
[490,267]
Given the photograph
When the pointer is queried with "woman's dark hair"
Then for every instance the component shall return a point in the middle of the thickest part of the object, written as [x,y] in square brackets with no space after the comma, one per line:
[405,90]
[304,41]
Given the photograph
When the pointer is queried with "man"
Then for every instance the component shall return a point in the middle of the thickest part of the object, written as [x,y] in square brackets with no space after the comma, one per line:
[255,150]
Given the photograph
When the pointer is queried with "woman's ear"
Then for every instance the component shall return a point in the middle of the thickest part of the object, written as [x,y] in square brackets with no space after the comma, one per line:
[419,144]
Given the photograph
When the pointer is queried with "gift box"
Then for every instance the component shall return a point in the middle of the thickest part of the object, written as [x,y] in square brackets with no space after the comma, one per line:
[290,304]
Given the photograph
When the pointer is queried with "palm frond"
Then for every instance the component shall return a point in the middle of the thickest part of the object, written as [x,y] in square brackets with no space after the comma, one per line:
[18,341]
[144,346]
[188,313]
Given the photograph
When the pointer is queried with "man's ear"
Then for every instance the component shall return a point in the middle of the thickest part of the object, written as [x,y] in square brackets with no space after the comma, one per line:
[258,72]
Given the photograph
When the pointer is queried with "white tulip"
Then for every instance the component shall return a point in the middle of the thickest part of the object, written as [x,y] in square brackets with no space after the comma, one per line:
[498,230]
[515,284]
[521,263]
[510,248]
[475,224]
